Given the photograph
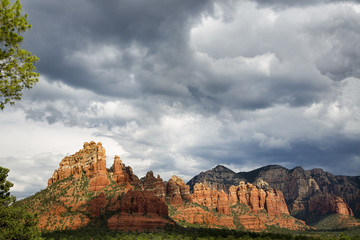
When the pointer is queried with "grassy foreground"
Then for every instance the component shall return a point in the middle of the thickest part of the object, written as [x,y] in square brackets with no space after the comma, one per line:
[177,233]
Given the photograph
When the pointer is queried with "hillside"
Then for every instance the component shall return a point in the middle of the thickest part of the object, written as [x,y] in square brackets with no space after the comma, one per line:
[82,192]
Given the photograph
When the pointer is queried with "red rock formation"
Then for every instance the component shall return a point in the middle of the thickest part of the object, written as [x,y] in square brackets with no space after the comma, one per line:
[155,185]
[97,205]
[137,222]
[203,195]
[122,174]
[328,204]
[257,199]
[118,174]
[251,207]
[177,191]
[275,203]
[223,205]
[140,211]
[233,198]
[90,160]
[251,222]
[143,202]
[98,182]
[197,215]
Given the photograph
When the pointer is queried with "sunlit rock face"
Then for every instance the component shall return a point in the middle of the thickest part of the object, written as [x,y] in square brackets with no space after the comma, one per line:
[247,205]
[300,188]
[90,161]
[177,191]
[84,192]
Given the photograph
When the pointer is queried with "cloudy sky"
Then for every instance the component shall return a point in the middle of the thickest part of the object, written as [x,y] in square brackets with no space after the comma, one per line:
[178,87]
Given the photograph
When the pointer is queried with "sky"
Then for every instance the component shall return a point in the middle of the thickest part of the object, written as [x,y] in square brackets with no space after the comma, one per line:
[179,87]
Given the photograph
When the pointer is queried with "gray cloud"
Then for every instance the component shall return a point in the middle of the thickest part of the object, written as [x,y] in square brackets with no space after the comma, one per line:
[279,4]
[196,84]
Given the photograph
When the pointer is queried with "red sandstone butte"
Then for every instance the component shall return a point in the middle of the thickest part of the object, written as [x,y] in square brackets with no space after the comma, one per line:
[155,185]
[90,160]
[177,191]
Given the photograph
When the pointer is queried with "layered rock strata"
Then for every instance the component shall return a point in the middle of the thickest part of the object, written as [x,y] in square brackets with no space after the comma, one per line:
[140,211]
[177,191]
[155,185]
[245,206]
[297,185]
[90,160]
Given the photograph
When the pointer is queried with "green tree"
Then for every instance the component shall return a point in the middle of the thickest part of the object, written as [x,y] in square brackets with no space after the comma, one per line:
[343,237]
[5,198]
[15,222]
[16,65]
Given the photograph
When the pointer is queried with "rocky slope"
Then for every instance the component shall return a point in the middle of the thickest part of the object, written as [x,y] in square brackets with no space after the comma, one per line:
[83,192]
[308,193]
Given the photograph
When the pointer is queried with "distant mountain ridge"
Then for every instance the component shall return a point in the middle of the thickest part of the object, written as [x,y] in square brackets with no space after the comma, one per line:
[308,193]
[218,178]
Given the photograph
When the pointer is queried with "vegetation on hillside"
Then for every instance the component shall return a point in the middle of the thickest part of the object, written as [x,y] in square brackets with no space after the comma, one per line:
[188,233]
[15,221]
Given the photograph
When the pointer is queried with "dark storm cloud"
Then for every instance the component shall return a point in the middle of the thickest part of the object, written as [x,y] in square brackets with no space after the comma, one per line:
[300,3]
[200,83]
[156,29]
[338,51]
[141,49]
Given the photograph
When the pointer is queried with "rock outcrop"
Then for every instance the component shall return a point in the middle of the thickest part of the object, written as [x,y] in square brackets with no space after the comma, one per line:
[258,199]
[246,206]
[177,191]
[139,211]
[90,160]
[123,175]
[155,185]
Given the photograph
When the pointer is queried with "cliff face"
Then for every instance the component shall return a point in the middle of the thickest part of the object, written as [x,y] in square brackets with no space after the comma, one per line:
[122,174]
[345,187]
[139,211]
[90,160]
[302,189]
[325,204]
[155,185]
[246,206]
[177,191]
